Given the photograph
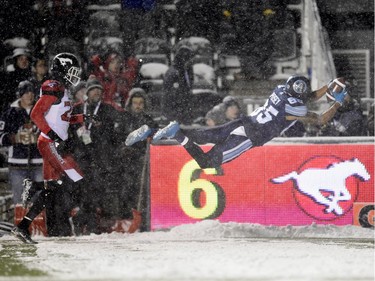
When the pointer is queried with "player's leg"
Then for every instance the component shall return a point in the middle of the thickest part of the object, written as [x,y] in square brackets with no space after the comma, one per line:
[30,188]
[54,167]
[220,153]
[32,183]
[172,130]
[168,131]
[63,172]
[58,164]
[200,135]
[21,231]
[205,135]
[140,134]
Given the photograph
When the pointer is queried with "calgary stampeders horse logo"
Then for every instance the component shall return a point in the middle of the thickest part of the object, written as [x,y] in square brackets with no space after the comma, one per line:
[329,182]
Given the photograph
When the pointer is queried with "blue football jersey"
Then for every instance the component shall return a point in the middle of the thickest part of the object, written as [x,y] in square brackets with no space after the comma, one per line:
[269,121]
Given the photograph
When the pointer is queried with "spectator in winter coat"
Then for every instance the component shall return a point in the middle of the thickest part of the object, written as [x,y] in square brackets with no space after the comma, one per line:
[135,115]
[19,133]
[224,112]
[348,121]
[117,77]
[178,84]
[95,147]
[136,111]
[21,72]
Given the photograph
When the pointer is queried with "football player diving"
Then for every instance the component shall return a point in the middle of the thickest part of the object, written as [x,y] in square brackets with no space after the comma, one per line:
[284,107]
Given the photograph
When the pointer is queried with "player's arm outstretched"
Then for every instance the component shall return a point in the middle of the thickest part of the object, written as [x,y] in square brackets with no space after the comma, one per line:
[336,85]
[337,89]
[317,119]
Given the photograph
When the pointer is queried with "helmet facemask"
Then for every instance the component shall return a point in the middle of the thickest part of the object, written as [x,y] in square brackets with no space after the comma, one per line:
[73,75]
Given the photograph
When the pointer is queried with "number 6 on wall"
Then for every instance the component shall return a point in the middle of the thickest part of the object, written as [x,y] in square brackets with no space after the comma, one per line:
[191,189]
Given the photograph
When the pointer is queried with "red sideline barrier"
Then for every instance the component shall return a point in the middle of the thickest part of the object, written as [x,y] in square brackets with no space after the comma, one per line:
[295,184]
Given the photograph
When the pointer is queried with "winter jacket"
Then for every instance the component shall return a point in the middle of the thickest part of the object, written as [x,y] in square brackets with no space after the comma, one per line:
[177,86]
[12,79]
[104,139]
[117,86]
[15,121]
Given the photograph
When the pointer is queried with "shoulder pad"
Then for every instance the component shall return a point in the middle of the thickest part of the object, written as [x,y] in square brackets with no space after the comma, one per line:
[52,88]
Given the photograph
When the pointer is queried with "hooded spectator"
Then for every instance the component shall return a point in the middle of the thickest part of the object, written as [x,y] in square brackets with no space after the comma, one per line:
[178,84]
[135,115]
[224,112]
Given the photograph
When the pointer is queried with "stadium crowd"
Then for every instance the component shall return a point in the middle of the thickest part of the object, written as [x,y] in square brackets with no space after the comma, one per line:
[113,93]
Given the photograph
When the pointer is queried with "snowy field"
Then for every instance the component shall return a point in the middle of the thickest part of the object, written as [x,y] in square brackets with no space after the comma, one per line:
[208,250]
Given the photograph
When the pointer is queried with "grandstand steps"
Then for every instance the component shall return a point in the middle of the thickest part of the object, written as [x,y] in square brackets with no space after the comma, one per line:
[255,88]
[252,93]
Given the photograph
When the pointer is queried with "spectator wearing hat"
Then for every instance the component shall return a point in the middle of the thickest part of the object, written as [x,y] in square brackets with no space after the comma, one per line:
[96,142]
[135,115]
[117,77]
[224,112]
[136,110]
[21,71]
[79,93]
[18,132]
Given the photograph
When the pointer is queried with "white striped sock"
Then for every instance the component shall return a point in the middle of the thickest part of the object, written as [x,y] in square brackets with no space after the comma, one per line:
[185,141]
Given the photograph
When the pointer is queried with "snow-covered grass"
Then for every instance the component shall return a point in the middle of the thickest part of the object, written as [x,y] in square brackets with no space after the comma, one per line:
[208,250]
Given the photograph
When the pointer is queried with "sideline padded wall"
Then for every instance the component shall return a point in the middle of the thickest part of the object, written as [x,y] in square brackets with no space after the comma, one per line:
[277,184]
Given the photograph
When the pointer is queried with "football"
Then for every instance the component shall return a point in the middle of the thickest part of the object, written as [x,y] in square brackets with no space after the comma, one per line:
[339,85]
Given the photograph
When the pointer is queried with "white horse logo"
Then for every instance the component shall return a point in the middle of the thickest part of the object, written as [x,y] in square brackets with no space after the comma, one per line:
[63,61]
[332,179]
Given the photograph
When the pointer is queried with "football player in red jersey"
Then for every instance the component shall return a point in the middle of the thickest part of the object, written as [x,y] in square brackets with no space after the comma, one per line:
[52,115]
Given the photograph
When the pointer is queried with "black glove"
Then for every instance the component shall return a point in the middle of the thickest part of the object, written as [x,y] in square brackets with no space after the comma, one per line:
[53,136]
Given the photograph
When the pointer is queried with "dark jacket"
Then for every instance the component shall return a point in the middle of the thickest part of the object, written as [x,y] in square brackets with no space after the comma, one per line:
[12,79]
[178,84]
[348,121]
[16,121]
[102,133]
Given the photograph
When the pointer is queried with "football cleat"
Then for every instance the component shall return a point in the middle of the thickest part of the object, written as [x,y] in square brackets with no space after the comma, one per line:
[140,134]
[23,235]
[25,196]
[168,131]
